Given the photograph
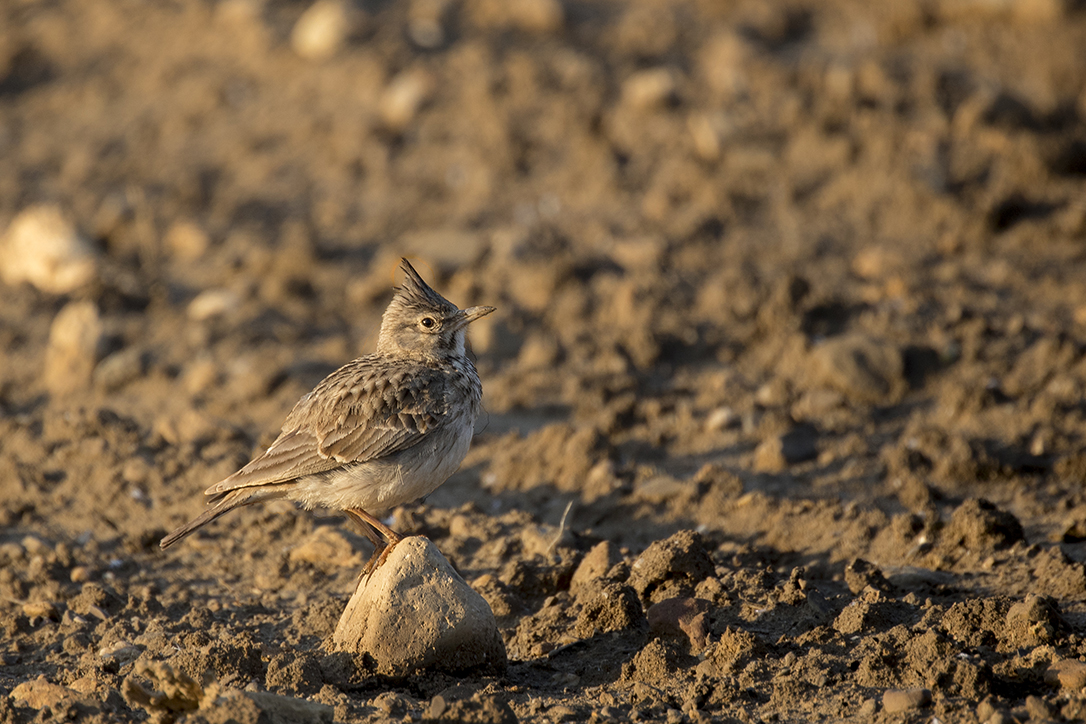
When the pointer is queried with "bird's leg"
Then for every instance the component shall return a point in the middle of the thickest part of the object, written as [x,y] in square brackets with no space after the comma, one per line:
[382,537]
[372,534]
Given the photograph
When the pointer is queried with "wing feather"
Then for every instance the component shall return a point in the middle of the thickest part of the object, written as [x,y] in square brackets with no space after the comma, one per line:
[365,410]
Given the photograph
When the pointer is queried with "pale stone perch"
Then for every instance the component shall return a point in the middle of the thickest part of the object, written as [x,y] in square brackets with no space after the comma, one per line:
[416,612]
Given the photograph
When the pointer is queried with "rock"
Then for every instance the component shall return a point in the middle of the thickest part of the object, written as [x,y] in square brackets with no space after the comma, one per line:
[863,368]
[416,612]
[212,303]
[1038,709]
[722,418]
[1034,621]
[400,103]
[647,89]
[40,693]
[898,700]
[671,567]
[42,247]
[769,456]
[187,240]
[687,617]
[615,608]
[1068,673]
[323,29]
[74,339]
[979,524]
[594,566]
[120,368]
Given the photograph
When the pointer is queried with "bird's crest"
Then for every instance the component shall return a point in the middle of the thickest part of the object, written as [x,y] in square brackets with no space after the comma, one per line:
[415,292]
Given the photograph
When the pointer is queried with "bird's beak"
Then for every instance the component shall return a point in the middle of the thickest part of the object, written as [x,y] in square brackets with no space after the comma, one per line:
[464,317]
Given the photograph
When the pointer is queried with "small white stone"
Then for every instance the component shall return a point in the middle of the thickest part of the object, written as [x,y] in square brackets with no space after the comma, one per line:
[404,96]
[648,88]
[322,30]
[42,247]
[212,303]
[187,240]
[721,419]
[73,347]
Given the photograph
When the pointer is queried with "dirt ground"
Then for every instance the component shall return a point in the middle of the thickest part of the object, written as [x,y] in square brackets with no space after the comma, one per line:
[792,322]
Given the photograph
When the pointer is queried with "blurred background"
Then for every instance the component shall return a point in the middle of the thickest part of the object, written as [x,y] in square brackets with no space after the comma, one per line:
[742,232]
[806,276]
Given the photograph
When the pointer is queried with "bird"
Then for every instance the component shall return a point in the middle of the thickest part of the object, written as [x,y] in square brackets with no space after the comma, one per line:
[383,430]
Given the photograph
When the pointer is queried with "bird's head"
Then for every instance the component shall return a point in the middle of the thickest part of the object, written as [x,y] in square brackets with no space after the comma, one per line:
[422,324]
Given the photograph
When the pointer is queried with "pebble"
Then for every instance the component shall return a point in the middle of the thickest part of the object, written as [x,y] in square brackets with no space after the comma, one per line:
[322,30]
[898,700]
[867,710]
[1068,673]
[98,612]
[119,368]
[681,617]
[650,88]
[1038,709]
[403,97]
[74,337]
[416,612]
[43,247]
[121,651]
[187,240]
[212,303]
[722,418]
[79,574]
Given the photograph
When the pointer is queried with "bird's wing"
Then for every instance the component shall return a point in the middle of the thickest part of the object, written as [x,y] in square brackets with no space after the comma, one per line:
[367,409]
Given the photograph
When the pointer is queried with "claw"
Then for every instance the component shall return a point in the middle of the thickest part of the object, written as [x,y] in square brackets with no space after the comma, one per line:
[384,539]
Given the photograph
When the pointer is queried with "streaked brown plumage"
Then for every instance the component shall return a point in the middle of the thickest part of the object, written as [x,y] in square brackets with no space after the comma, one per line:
[381,431]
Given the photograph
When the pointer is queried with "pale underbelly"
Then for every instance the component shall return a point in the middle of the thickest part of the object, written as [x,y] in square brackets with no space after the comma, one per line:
[379,485]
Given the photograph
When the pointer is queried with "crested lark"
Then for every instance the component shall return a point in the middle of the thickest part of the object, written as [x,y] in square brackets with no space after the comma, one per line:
[380,431]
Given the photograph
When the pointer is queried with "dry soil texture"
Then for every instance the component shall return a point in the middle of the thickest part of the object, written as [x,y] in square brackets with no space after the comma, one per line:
[792,320]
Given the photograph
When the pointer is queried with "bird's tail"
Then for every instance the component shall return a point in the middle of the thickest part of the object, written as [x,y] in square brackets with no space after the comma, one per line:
[233,499]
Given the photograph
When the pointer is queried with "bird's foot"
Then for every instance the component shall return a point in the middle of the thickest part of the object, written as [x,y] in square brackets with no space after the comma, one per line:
[380,555]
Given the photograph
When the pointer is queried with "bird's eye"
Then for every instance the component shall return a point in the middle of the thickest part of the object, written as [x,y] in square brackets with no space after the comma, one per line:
[428,322]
